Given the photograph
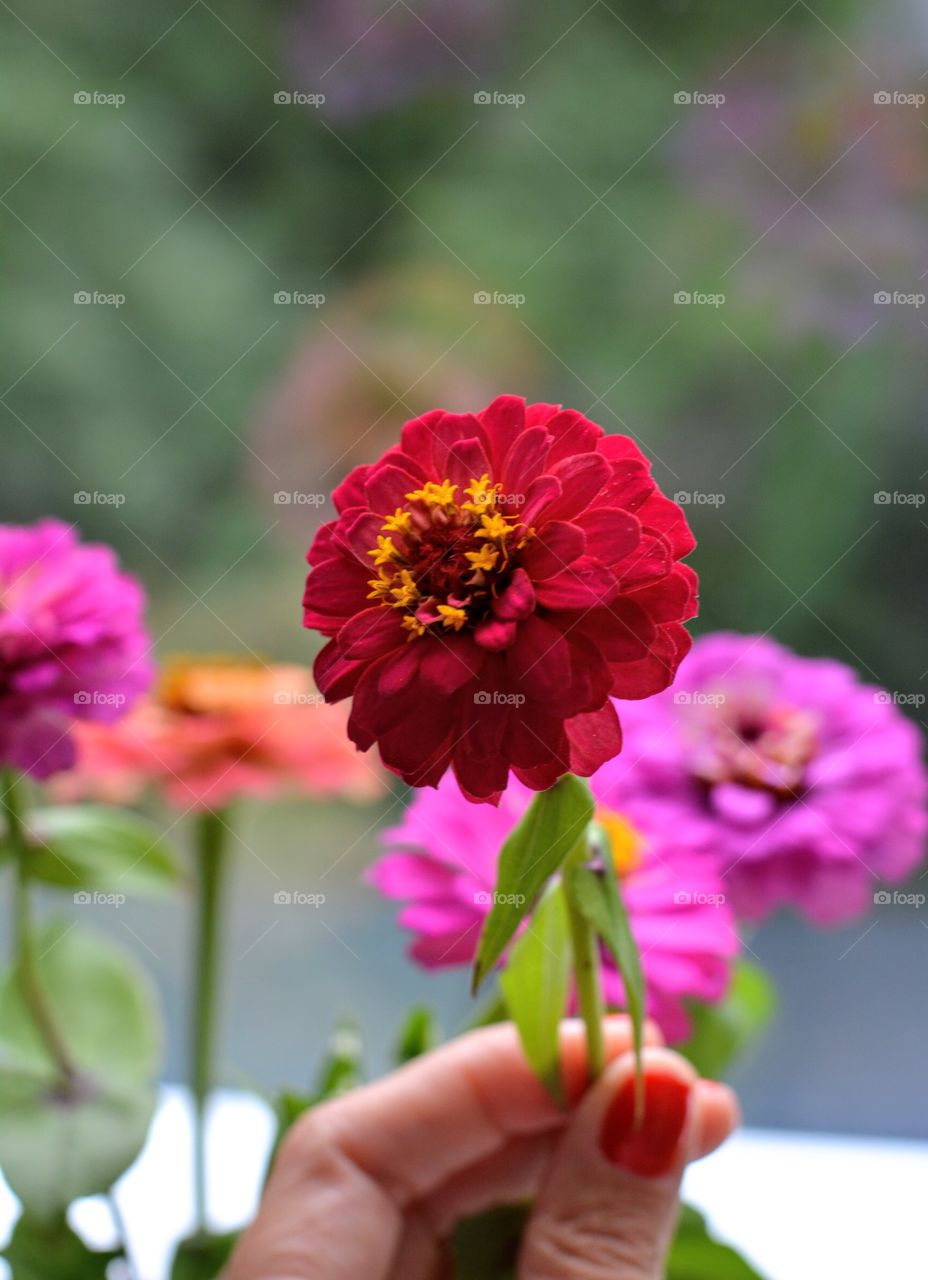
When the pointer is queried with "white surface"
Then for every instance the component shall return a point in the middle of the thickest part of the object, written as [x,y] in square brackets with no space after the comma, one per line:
[799,1206]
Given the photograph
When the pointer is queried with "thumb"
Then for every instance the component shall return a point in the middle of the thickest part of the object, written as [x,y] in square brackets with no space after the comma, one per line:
[608,1207]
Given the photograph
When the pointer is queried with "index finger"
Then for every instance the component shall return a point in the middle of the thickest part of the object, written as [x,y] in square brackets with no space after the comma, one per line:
[454,1107]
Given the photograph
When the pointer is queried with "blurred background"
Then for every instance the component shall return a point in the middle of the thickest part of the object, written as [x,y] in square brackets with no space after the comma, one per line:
[242,244]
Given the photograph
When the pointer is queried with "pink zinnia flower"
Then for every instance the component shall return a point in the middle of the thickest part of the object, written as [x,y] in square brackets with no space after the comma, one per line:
[488,584]
[219,729]
[804,784]
[443,859]
[72,643]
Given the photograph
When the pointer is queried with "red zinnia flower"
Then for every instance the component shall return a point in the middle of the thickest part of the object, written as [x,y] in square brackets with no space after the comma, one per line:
[489,585]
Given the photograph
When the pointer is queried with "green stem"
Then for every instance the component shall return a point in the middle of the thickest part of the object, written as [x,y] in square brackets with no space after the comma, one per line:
[25,959]
[210,865]
[586,967]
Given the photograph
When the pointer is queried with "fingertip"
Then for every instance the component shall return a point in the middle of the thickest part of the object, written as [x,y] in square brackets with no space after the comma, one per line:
[717,1115]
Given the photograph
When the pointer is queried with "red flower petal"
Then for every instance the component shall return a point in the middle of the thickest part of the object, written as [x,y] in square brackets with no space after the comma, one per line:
[594,738]
[502,421]
[554,548]
[467,461]
[611,534]
[587,584]
[371,633]
[581,478]
[335,590]
[525,459]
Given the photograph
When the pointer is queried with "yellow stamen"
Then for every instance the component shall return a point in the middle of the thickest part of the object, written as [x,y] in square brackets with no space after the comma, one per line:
[485,558]
[413,625]
[494,526]
[384,552]
[434,494]
[381,589]
[406,593]
[482,495]
[452,617]
[399,522]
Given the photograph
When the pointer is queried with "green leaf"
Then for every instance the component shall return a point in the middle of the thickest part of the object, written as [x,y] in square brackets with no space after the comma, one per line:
[51,1251]
[87,847]
[721,1032]
[418,1035]
[696,1256]
[599,898]
[535,985]
[56,1146]
[536,849]
[486,1246]
[342,1069]
[202,1257]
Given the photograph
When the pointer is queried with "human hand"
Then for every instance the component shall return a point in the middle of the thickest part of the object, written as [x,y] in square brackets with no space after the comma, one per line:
[370,1186]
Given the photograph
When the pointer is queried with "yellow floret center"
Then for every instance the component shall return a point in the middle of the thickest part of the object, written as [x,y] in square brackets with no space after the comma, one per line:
[439,559]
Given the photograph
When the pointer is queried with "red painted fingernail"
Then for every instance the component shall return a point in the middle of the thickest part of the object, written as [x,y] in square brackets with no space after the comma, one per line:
[647,1149]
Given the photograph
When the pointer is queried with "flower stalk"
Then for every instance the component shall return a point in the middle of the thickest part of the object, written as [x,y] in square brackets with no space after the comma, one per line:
[25,959]
[586,966]
[210,858]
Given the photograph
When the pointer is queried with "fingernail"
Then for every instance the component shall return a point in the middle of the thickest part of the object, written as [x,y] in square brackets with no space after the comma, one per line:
[648,1148]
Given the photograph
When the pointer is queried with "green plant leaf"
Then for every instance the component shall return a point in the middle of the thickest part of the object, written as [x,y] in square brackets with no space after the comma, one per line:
[535,985]
[536,849]
[342,1069]
[56,1147]
[696,1256]
[202,1257]
[418,1034]
[721,1032]
[41,1250]
[599,898]
[81,847]
[486,1246]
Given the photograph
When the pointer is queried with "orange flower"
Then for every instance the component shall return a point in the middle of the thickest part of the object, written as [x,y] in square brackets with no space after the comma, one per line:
[219,728]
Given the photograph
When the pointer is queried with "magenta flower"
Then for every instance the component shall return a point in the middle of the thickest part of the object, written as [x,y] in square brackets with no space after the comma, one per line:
[442,860]
[72,643]
[804,784]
